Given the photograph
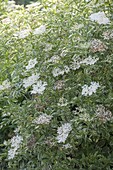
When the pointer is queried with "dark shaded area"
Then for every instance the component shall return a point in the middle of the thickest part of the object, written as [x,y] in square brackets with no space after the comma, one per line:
[24,2]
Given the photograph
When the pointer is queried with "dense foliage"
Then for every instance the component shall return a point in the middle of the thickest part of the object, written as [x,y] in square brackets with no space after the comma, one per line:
[56,85]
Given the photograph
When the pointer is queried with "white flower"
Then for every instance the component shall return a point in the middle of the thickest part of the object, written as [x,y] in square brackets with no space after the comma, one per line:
[48,47]
[62,102]
[76,63]
[40,30]
[91,89]
[99,17]
[15,141]
[15,144]
[6,114]
[11,153]
[89,60]
[6,21]
[54,59]
[85,117]
[5,142]
[66,69]
[77,26]
[1,87]
[66,146]
[11,6]
[58,71]
[63,132]
[30,80]
[16,131]
[5,85]
[31,64]
[39,87]
[63,53]
[43,119]
[22,34]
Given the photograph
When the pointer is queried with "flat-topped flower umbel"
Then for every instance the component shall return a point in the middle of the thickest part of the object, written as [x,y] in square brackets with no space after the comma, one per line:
[63,132]
[89,90]
[99,17]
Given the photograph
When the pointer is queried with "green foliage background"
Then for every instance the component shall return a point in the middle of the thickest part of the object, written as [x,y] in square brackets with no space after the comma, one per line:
[90,138]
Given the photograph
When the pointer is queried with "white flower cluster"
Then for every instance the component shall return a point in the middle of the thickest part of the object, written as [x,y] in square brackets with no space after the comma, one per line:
[58,71]
[5,85]
[89,60]
[29,81]
[25,32]
[15,144]
[48,47]
[62,102]
[63,132]
[67,146]
[77,62]
[39,87]
[99,17]
[43,119]
[11,6]
[6,21]
[33,80]
[22,34]
[39,30]
[54,59]
[89,90]
[85,117]
[31,64]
